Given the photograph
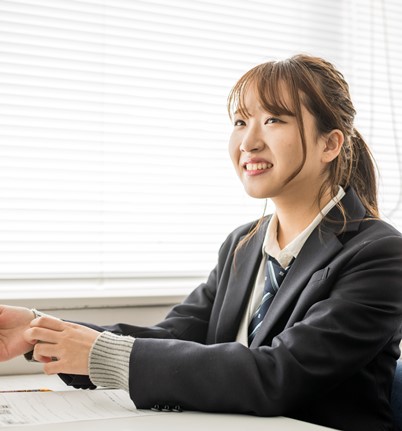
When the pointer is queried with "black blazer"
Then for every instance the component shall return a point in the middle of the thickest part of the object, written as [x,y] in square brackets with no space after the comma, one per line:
[326,350]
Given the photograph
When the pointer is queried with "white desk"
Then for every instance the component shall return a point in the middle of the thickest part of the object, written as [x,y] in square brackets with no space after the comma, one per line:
[184,421]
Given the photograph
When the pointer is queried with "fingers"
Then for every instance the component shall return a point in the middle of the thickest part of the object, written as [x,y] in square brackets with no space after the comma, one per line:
[46,329]
[68,343]
[45,352]
[49,323]
[49,348]
[53,367]
[35,335]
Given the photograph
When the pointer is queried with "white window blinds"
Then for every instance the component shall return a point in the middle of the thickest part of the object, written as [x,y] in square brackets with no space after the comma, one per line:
[113,131]
[373,65]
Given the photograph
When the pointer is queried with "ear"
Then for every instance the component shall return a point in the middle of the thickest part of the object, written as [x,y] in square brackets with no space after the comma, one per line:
[333,142]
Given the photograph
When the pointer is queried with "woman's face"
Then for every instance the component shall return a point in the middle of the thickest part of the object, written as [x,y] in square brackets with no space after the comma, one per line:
[266,150]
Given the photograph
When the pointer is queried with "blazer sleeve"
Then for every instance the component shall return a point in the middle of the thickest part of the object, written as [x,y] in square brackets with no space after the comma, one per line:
[186,321]
[337,336]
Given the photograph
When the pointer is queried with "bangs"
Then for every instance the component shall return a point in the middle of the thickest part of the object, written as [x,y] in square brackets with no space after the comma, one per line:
[273,87]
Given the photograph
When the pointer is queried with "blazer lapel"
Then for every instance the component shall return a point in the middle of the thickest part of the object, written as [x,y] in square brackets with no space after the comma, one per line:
[241,280]
[320,247]
[312,257]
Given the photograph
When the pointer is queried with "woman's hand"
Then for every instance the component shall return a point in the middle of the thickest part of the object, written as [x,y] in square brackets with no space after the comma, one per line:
[62,346]
[13,323]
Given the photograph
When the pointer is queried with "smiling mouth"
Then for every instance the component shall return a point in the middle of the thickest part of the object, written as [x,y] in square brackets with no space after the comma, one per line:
[257,166]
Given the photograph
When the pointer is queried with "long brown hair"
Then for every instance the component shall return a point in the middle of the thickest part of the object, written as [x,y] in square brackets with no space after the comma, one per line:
[322,89]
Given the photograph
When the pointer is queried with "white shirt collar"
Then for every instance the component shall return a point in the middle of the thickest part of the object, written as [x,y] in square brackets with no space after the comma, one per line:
[291,250]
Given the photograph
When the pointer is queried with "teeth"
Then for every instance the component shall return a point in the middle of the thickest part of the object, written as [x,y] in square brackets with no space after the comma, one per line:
[258,166]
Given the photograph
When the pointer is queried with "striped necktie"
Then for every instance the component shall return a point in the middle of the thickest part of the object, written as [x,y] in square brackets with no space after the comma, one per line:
[273,279]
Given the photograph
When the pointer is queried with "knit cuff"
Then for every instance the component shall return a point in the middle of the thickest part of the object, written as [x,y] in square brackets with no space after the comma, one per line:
[109,360]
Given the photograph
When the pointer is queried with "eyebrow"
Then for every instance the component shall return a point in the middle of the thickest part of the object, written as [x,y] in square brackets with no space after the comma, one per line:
[260,108]
[241,112]
[246,112]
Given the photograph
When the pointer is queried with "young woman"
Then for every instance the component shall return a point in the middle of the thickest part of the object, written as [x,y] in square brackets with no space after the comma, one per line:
[328,268]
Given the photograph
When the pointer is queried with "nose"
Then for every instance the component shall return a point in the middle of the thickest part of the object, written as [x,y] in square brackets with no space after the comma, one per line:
[252,140]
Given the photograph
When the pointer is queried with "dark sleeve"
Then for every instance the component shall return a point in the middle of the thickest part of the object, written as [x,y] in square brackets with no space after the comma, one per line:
[190,319]
[186,321]
[337,336]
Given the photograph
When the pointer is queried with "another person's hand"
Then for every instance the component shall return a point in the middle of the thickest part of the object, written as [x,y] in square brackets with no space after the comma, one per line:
[13,323]
[62,346]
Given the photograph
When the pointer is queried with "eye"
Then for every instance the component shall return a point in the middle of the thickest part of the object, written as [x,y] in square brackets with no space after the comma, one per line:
[272,120]
[239,123]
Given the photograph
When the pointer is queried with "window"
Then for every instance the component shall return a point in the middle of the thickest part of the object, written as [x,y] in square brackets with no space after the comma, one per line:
[373,62]
[114,173]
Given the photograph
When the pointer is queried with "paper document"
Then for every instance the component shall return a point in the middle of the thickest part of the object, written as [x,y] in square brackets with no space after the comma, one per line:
[28,408]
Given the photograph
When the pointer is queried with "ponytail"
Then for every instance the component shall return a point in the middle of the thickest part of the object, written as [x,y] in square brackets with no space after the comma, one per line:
[363,174]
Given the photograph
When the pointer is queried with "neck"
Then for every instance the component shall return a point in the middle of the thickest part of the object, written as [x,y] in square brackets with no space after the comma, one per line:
[295,215]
